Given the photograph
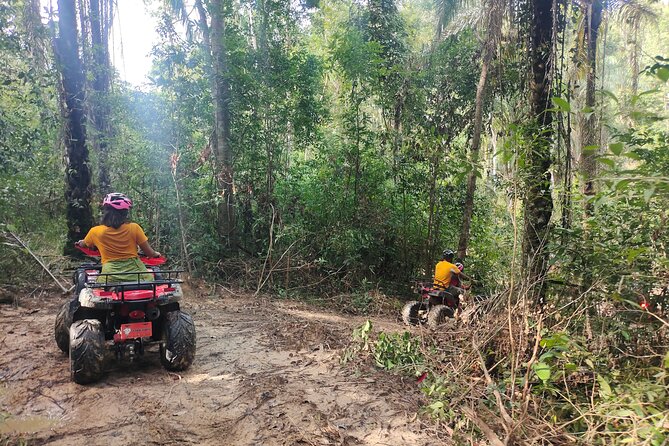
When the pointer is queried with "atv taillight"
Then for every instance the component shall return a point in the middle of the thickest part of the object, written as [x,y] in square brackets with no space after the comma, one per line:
[170,289]
[105,293]
[136,314]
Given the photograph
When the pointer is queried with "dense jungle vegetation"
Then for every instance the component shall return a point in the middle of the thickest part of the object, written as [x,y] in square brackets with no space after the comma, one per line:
[331,149]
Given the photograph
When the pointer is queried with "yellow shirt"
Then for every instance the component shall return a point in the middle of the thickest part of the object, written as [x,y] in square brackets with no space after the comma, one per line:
[116,244]
[443,273]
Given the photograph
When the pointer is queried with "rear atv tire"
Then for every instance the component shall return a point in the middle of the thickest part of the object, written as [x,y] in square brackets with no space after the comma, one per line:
[411,312]
[62,326]
[438,314]
[177,350]
[87,351]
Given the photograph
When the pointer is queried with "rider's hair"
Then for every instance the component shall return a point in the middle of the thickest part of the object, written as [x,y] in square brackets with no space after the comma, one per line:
[114,218]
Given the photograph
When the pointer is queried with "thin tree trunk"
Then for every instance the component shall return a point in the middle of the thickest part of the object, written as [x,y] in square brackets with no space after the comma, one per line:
[474,157]
[538,204]
[634,62]
[78,177]
[493,30]
[589,130]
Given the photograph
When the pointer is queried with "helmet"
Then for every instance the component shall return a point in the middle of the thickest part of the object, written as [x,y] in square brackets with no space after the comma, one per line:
[460,266]
[117,201]
[448,253]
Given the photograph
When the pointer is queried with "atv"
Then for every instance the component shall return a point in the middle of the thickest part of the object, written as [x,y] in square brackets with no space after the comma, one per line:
[124,317]
[434,307]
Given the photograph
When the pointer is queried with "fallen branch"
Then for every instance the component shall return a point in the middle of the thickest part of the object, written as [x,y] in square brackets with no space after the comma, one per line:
[39,261]
[483,427]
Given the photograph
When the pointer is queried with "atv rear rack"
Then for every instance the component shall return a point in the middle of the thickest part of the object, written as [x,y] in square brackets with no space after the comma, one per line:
[121,287]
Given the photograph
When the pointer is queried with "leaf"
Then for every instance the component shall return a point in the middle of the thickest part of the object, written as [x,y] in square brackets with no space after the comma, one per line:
[608,161]
[590,149]
[648,194]
[604,387]
[610,95]
[617,148]
[561,104]
[663,74]
[589,362]
[542,370]
[665,362]
[632,155]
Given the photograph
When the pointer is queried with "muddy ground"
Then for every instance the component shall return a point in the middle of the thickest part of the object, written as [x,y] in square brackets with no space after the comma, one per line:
[265,373]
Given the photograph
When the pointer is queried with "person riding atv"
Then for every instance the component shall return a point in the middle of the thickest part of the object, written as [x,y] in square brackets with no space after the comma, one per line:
[447,274]
[440,300]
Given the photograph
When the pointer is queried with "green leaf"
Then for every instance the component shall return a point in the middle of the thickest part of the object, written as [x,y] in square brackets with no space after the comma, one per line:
[663,74]
[589,362]
[561,104]
[608,161]
[617,148]
[590,149]
[610,95]
[604,387]
[542,370]
[632,155]
[648,194]
[665,362]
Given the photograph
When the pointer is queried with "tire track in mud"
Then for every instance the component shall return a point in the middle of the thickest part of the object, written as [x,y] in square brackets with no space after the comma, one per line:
[265,373]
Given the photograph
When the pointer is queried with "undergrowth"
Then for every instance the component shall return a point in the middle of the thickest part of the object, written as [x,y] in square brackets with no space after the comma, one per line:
[514,377]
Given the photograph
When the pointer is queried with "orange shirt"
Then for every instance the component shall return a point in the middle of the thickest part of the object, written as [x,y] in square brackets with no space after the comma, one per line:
[443,273]
[116,244]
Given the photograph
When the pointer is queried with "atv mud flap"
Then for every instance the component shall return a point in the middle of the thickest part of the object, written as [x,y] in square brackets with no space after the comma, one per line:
[133,331]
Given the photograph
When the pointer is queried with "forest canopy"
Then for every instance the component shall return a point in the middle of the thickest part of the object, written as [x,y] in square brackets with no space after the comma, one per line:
[325,148]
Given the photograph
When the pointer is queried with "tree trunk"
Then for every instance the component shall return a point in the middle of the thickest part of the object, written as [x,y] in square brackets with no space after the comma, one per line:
[589,131]
[474,157]
[78,177]
[100,110]
[493,30]
[538,204]
[215,41]
[634,55]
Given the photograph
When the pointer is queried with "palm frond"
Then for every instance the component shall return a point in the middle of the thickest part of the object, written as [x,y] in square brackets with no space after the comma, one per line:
[447,10]
[179,8]
[632,11]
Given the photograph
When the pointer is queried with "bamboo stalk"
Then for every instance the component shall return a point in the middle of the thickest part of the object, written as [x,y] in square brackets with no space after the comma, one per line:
[39,261]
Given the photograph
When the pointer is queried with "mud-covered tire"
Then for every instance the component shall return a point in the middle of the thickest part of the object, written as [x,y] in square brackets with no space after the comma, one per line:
[177,350]
[87,351]
[62,326]
[438,314]
[411,312]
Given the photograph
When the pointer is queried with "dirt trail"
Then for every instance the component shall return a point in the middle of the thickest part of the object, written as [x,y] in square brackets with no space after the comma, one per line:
[266,373]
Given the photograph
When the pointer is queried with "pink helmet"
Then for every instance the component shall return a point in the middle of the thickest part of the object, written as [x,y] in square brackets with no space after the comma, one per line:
[117,201]
[460,266]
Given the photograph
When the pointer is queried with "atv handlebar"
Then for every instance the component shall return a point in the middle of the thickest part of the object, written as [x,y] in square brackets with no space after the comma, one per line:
[150,261]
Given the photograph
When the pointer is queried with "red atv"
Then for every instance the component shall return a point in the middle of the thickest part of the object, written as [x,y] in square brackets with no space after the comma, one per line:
[434,307]
[126,316]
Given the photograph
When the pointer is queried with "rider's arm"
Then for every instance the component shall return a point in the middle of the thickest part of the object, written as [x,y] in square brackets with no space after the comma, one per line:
[148,250]
[460,274]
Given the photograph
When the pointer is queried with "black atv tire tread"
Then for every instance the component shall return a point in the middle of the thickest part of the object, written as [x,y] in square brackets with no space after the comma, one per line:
[179,343]
[62,327]
[410,312]
[437,315]
[87,351]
